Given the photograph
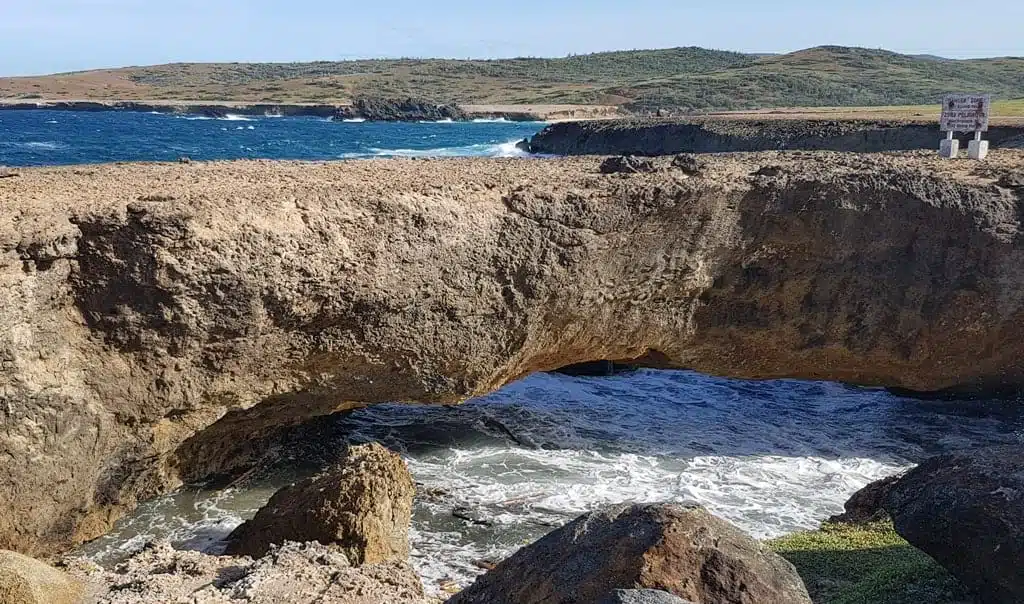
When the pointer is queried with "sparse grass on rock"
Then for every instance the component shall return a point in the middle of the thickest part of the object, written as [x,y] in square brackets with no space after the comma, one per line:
[870,564]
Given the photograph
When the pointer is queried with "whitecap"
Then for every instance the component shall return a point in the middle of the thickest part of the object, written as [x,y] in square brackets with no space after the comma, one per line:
[232,117]
[507,149]
[44,145]
[354,120]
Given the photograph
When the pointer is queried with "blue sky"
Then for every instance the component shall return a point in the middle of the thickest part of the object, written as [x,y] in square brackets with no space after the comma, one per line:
[45,36]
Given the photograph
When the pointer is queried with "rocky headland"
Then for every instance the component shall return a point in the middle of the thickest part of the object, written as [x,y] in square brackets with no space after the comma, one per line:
[369,109]
[160,319]
[720,134]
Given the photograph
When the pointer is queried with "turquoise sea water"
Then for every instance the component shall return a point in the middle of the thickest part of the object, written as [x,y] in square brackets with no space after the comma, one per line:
[43,137]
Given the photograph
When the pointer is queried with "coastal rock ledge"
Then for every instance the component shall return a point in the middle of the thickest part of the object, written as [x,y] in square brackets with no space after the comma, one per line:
[157,320]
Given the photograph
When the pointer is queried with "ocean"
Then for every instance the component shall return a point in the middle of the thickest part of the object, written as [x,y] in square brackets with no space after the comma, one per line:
[44,137]
[495,473]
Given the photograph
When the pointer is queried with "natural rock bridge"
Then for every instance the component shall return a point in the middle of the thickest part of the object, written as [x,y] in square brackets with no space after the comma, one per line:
[154,319]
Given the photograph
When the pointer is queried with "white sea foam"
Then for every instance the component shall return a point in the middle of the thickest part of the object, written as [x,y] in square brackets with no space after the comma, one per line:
[507,149]
[232,117]
[772,457]
[490,120]
[44,145]
[354,120]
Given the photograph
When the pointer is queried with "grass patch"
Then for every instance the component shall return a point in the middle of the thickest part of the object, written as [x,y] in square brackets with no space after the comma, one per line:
[871,564]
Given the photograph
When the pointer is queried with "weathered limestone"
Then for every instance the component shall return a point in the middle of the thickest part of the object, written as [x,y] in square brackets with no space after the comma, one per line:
[363,506]
[679,549]
[25,580]
[156,320]
[294,573]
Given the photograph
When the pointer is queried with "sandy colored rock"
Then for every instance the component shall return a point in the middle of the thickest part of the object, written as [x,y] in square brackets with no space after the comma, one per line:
[294,573]
[362,506]
[143,343]
[679,549]
[25,580]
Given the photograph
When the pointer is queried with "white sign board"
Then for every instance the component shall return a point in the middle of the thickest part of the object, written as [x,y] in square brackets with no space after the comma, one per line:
[965,113]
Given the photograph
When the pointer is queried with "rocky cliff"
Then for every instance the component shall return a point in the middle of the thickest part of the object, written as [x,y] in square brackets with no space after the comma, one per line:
[154,319]
[708,135]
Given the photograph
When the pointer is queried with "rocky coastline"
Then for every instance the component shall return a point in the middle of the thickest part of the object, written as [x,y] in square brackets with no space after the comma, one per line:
[653,137]
[411,110]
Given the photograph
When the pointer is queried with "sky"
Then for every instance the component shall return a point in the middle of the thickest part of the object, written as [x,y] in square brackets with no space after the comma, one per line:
[48,36]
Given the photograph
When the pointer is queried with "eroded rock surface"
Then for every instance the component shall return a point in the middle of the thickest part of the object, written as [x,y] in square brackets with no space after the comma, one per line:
[293,573]
[157,320]
[362,506]
[642,596]
[966,510]
[867,504]
[25,580]
[679,549]
[726,135]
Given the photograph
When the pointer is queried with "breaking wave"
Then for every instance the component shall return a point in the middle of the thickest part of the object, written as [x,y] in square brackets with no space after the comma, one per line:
[507,149]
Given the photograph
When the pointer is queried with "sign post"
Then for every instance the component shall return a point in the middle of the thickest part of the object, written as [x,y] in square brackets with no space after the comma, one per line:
[965,113]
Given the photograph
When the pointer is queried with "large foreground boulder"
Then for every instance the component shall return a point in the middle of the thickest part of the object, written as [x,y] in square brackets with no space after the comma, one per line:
[363,506]
[25,580]
[966,510]
[680,549]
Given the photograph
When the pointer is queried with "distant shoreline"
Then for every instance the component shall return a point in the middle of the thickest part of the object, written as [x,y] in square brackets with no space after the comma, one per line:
[512,113]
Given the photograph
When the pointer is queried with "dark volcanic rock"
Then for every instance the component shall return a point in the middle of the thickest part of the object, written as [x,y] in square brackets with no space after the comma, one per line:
[626,165]
[866,505]
[670,137]
[399,110]
[966,510]
[680,549]
[363,505]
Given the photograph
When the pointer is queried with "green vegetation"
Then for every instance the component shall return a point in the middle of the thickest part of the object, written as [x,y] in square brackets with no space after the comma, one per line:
[680,79]
[843,564]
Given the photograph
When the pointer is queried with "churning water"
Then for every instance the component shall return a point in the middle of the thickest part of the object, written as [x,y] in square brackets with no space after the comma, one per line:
[498,472]
[45,137]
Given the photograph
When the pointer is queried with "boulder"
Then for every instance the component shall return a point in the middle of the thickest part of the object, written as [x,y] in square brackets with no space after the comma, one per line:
[626,164]
[867,504]
[966,510]
[25,580]
[680,549]
[642,596]
[363,506]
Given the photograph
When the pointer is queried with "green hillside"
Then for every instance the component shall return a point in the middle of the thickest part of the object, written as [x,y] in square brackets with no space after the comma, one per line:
[677,78]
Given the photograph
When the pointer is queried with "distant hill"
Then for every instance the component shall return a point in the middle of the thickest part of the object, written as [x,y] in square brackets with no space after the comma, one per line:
[680,78]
